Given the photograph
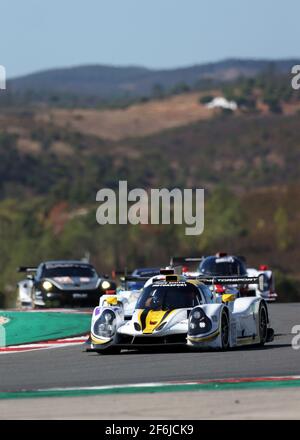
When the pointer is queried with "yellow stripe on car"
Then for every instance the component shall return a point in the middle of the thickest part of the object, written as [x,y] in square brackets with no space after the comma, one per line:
[204,338]
[99,341]
[152,319]
[248,340]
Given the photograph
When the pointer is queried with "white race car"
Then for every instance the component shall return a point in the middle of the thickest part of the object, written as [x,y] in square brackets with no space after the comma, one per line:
[268,292]
[24,298]
[174,310]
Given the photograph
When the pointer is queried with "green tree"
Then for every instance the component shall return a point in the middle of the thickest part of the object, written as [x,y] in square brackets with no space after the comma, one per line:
[224,221]
[206,99]
[281,221]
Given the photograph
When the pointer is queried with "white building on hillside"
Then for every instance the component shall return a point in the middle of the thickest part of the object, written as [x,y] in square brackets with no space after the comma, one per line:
[221,102]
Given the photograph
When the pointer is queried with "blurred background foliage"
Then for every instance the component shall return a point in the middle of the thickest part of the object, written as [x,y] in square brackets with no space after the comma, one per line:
[248,163]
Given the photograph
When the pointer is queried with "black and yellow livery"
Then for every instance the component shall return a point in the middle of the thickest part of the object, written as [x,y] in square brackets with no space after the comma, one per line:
[174,310]
[151,320]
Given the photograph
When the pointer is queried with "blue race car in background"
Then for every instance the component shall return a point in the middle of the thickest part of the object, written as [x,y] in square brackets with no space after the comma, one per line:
[145,272]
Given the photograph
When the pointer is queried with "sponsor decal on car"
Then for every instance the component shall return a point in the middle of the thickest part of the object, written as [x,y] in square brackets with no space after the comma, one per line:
[80,295]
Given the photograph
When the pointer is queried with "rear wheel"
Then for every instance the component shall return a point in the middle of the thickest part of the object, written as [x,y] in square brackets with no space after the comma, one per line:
[224,331]
[263,325]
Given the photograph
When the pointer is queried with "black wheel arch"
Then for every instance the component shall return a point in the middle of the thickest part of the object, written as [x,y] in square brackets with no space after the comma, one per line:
[226,310]
[263,302]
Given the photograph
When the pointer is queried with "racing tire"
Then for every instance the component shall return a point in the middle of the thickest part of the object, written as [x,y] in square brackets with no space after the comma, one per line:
[263,325]
[19,304]
[225,332]
[33,305]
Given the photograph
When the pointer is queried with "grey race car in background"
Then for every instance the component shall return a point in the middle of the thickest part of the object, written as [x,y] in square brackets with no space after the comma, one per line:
[63,283]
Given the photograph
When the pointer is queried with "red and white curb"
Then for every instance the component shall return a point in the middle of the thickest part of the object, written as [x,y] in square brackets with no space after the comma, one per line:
[68,311]
[166,384]
[238,380]
[44,345]
[159,387]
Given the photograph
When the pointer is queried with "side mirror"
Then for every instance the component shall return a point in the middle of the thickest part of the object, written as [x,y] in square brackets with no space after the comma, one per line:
[228,297]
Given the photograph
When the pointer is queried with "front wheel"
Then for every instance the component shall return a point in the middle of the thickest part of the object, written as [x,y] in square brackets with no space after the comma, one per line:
[263,325]
[224,331]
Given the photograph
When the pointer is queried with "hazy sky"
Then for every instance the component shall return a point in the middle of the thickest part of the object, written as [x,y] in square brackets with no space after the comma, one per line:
[39,34]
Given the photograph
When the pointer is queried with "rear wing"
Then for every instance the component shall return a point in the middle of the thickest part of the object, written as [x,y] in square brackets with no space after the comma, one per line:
[231,281]
[185,260]
[191,260]
[26,269]
[132,278]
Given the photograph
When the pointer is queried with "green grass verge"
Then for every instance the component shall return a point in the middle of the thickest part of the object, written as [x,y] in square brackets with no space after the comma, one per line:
[27,327]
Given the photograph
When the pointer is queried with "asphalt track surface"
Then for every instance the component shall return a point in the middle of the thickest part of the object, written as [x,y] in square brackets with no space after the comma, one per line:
[71,367]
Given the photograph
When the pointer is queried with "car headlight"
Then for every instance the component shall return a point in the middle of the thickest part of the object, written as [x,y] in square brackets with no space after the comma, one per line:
[105,285]
[197,314]
[199,323]
[47,285]
[105,326]
[107,317]
[137,327]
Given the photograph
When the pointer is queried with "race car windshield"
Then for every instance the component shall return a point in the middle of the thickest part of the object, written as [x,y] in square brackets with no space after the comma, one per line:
[167,297]
[222,266]
[69,271]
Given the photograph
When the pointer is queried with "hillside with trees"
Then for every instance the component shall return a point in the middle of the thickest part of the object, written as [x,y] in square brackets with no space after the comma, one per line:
[98,85]
[247,161]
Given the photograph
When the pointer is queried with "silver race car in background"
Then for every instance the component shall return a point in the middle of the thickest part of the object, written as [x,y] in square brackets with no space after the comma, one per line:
[222,265]
[268,293]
